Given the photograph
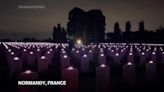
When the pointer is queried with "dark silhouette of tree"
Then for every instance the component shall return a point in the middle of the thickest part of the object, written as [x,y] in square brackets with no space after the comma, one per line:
[117,29]
[59,34]
[76,24]
[95,31]
[128,26]
[141,26]
[88,26]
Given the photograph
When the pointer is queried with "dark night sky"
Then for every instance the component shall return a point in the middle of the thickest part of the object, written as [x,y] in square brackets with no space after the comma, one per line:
[39,22]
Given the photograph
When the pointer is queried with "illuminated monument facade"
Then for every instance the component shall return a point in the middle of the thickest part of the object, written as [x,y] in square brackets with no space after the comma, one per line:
[87,26]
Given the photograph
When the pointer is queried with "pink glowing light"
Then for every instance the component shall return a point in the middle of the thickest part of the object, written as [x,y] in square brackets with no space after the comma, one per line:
[65,56]
[129,63]
[77,51]
[101,55]
[12,53]
[9,50]
[117,54]
[143,53]
[153,53]
[48,52]
[28,72]
[31,52]
[130,54]
[84,55]
[38,49]
[43,57]
[16,58]
[24,50]
[70,68]
[102,65]
[151,62]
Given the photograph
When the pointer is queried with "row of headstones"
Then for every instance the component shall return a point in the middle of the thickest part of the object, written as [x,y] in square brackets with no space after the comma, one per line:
[129,70]
[118,56]
[103,82]
[65,59]
[30,59]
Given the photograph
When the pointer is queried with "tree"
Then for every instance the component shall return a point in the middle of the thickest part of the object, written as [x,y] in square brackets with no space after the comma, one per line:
[141,26]
[117,28]
[128,26]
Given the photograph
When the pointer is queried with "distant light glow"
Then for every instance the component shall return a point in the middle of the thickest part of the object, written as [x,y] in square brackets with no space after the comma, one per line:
[101,55]
[73,49]
[28,72]
[16,58]
[151,62]
[117,54]
[79,41]
[31,52]
[24,50]
[83,49]
[77,51]
[48,52]
[70,68]
[143,53]
[9,50]
[153,53]
[43,57]
[65,56]
[129,63]
[130,54]
[102,65]
[84,55]
[162,52]
[63,52]
[38,49]
[12,53]
[51,49]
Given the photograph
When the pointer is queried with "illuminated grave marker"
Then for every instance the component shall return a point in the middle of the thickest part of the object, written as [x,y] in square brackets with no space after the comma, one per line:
[16,66]
[101,59]
[150,72]
[142,58]
[84,64]
[71,75]
[43,64]
[154,56]
[131,57]
[129,73]
[28,75]
[31,58]
[102,78]
[64,62]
